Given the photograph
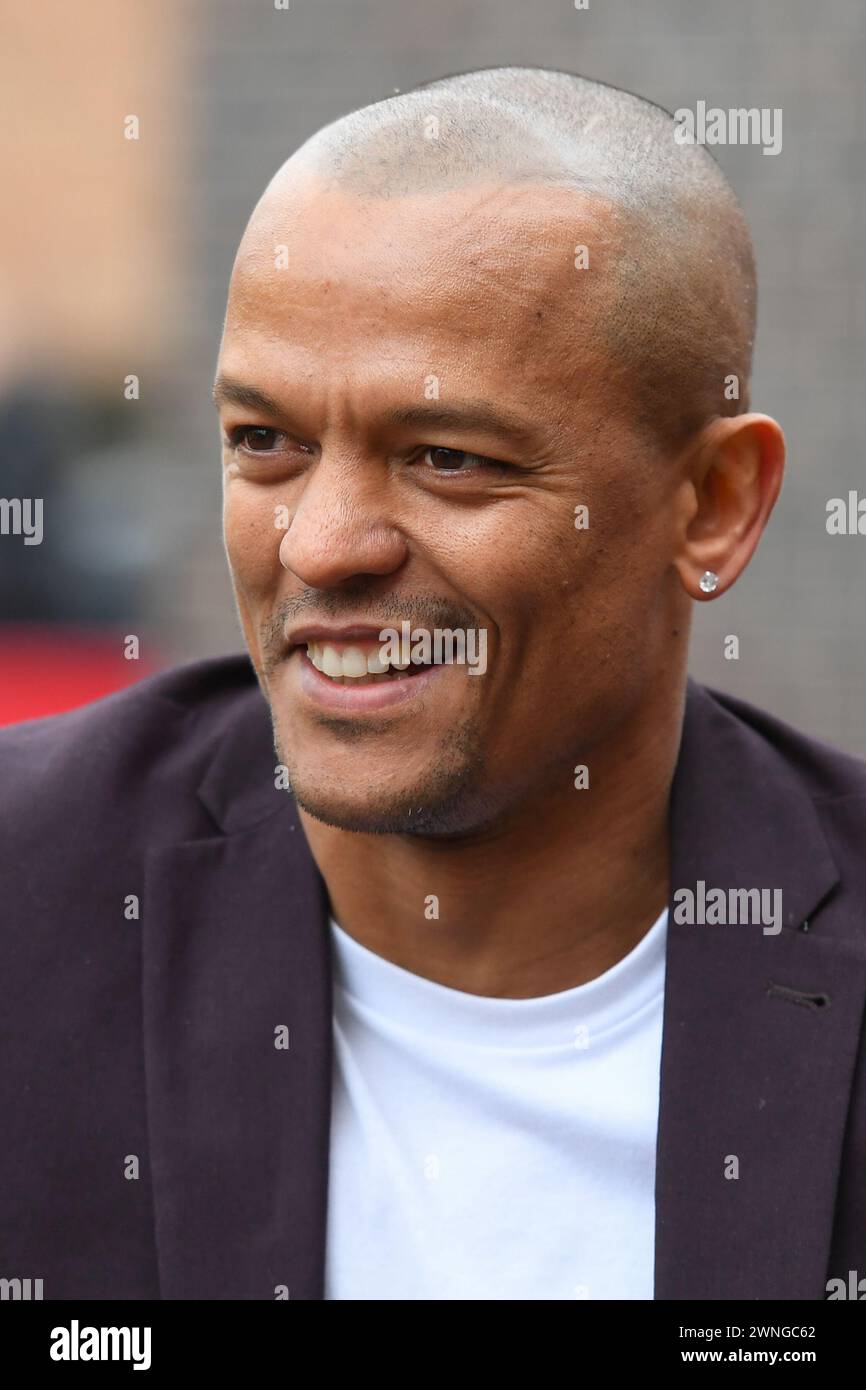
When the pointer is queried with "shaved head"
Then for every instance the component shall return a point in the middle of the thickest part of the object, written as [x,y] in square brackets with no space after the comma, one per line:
[674,299]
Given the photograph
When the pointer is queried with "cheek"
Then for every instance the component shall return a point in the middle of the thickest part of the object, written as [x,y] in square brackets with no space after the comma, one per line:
[252,539]
[570,602]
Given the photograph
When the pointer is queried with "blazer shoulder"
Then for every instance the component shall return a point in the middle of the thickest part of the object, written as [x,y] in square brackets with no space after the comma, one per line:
[157,735]
[824,770]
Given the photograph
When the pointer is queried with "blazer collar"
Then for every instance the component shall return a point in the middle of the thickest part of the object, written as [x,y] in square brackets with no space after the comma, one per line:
[239,787]
[739,815]
[756,1071]
[236,948]
[237,1028]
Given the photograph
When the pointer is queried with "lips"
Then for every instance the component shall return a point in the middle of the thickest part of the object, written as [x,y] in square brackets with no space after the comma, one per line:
[355,655]
[352,668]
[355,695]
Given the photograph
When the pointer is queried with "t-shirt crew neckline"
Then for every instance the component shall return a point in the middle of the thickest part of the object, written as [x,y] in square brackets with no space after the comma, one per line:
[421,1006]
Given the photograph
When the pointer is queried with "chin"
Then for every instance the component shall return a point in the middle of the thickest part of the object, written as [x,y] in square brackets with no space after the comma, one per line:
[443,805]
[371,814]
[439,797]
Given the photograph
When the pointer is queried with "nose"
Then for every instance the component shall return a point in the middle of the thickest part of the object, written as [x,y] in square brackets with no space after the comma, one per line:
[341,528]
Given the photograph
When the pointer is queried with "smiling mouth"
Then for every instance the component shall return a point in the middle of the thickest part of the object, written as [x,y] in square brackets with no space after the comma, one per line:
[361,663]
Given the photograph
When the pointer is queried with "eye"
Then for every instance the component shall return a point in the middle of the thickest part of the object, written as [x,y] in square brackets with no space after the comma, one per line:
[256,439]
[443,460]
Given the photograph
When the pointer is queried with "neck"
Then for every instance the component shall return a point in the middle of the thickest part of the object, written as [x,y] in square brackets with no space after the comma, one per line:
[542,902]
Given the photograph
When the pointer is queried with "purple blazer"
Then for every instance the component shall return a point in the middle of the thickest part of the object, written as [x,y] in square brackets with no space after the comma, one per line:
[145,1044]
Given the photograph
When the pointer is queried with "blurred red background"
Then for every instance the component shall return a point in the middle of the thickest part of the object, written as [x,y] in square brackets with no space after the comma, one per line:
[56,669]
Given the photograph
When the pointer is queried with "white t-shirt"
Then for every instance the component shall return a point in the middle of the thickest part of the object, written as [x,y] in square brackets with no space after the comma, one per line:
[488,1148]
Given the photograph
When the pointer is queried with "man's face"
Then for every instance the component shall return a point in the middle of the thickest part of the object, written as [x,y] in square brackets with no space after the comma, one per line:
[374,492]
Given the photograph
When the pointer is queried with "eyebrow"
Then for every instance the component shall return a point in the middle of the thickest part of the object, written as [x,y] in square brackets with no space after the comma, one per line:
[227,391]
[468,415]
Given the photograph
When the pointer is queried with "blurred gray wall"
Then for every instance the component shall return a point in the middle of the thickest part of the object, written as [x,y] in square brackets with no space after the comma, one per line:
[261,80]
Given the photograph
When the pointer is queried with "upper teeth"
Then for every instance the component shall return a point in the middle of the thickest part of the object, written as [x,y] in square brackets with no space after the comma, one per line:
[352,661]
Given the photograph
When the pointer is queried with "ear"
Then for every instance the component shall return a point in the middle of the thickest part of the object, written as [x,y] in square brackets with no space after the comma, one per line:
[732,477]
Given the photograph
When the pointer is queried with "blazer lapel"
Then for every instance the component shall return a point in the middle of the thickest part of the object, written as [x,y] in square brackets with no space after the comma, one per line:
[236,960]
[760,1031]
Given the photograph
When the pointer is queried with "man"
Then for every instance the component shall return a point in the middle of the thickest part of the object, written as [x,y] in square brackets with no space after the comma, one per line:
[525,968]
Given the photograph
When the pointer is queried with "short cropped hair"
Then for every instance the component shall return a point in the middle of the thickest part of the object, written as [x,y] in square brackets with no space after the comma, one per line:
[676,306]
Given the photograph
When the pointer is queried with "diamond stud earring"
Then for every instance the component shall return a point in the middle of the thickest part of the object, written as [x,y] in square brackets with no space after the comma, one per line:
[708,581]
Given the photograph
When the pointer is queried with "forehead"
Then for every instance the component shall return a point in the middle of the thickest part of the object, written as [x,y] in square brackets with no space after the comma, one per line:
[479,266]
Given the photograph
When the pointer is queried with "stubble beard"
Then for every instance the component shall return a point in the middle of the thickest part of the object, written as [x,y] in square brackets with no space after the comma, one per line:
[447,802]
